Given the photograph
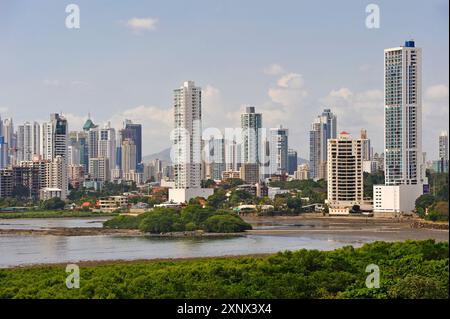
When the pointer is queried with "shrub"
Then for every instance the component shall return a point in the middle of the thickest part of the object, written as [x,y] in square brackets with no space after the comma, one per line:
[123,222]
[161,222]
[225,224]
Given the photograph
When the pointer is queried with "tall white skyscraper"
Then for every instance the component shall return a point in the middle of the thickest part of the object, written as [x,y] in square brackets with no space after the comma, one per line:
[187,135]
[278,150]
[28,141]
[404,160]
[54,147]
[57,175]
[107,144]
[251,124]
[403,115]
[187,143]
[232,155]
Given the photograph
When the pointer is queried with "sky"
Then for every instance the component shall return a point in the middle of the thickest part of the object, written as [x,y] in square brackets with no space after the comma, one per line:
[288,58]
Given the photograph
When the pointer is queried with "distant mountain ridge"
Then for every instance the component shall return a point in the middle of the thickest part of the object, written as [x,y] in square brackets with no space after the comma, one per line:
[164,156]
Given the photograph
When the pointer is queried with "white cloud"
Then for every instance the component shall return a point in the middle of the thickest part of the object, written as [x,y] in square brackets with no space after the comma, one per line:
[75,121]
[215,112]
[273,69]
[357,110]
[437,92]
[52,82]
[435,117]
[343,93]
[291,80]
[142,24]
[365,68]
[289,90]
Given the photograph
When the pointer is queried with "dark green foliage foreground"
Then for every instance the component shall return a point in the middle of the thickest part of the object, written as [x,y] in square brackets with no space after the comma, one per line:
[408,270]
[190,218]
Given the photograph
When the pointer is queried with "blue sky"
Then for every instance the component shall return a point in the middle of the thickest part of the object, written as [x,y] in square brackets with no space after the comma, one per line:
[290,59]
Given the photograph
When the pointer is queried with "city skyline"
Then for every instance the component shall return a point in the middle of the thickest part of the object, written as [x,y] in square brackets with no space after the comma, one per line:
[288,85]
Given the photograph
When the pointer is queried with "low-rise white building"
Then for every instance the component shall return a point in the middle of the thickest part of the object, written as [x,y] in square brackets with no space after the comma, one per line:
[112,203]
[395,199]
[49,192]
[273,191]
[183,195]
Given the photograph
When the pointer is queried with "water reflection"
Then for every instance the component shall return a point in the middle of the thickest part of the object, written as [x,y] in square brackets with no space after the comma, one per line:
[20,250]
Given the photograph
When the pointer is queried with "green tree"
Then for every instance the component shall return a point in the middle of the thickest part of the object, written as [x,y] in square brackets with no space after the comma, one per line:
[218,199]
[372,179]
[424,201]
[52,203]
[294,204]
[162,221]
[241,196]
[225,224]
[20,192]
[419,287]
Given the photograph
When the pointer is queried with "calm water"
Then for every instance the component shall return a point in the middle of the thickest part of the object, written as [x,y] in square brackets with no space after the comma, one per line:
[21,250]
[46,223]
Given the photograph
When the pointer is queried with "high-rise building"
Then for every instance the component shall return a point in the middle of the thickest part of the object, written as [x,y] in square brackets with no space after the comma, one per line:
[57,177]
[232,155]
[345,174]
[33,174]
[93,138]
[4,153]
[28,141]
[441,165]
[278,150]
[134,132]
[6,181]
[79,149]
[404,160]
[76,175]
[54,148]
[403,115]
[128,156]
[107,145]
[99,169]
[148,173]
[249,173]
[443,146]
[187,142]
[322,129]
[302,172]
[366,147]
[215,157]
[188,128]
[292,161]
[251,124]
[8,138]
[54,141]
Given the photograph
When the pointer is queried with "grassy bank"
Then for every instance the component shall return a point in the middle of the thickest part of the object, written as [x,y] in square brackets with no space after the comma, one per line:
[52,214]
[413,269]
